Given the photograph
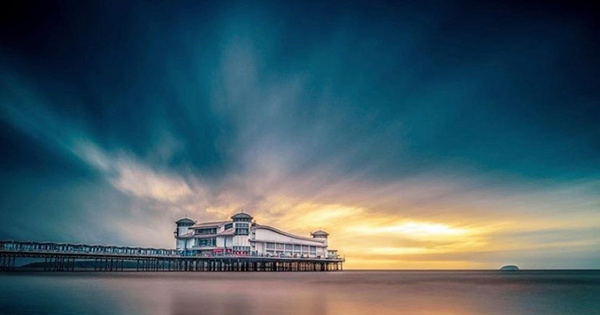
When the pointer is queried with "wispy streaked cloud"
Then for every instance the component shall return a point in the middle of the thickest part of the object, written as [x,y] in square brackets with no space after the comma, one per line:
[411,151]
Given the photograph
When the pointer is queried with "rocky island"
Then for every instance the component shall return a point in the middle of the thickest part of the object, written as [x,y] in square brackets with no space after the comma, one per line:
[509,268]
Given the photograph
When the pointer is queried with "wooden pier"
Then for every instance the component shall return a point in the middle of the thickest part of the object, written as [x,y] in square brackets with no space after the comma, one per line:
[65,257]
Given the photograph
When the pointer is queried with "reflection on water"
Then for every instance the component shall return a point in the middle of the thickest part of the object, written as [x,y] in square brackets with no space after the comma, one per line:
[350,292]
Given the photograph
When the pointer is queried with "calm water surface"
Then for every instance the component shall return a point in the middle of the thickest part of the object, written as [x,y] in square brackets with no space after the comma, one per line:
[348,292]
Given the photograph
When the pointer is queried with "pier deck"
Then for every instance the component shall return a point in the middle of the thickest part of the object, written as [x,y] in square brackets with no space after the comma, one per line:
[65,257]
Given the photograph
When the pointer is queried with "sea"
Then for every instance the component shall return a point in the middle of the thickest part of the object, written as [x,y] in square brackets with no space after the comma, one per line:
[302,293]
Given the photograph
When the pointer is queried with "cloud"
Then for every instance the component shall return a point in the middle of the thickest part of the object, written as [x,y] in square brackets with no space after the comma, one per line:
[459,219]
[408,153]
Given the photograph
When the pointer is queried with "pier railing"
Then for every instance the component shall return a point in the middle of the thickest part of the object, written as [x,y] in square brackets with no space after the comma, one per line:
[99,250]
[76,257]
[47,247]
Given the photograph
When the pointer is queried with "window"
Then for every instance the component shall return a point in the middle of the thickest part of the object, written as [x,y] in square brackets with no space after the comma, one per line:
[297,248]
[289,246]
[270,245]
[280,246]
[304,248]
[228,226]
[313,250]
[241,232]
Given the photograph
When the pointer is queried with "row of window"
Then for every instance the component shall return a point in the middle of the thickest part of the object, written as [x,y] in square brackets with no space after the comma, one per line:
[241,232]
[291,247]
[241,229]
[242,220]
[241,248]
[206,242]
[206,231]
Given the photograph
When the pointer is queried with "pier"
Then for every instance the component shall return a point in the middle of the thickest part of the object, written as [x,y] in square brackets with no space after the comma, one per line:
[70,257]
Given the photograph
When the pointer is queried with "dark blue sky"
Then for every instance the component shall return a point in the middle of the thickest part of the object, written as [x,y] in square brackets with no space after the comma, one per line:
[117,117]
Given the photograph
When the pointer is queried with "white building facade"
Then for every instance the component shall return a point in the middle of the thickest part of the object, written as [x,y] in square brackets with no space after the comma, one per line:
[244,237]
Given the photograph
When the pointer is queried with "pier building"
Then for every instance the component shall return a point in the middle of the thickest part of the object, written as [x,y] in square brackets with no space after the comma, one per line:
[239,244]
[241,235]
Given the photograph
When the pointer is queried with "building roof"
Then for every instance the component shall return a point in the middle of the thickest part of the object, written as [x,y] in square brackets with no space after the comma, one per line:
[226,232]
[258,226]
[241,215]
[185,220]
[319,233]
[209,224]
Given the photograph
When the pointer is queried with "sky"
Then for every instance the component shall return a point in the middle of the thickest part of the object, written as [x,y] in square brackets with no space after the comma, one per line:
[420,135]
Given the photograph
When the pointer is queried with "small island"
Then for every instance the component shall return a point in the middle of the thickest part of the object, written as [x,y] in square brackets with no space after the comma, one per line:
[509,268]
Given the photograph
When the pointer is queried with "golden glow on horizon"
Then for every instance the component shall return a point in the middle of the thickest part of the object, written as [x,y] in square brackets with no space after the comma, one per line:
[419,224]
[371,239]
[397,250]
[387,241]
[413,229]
[377,241]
